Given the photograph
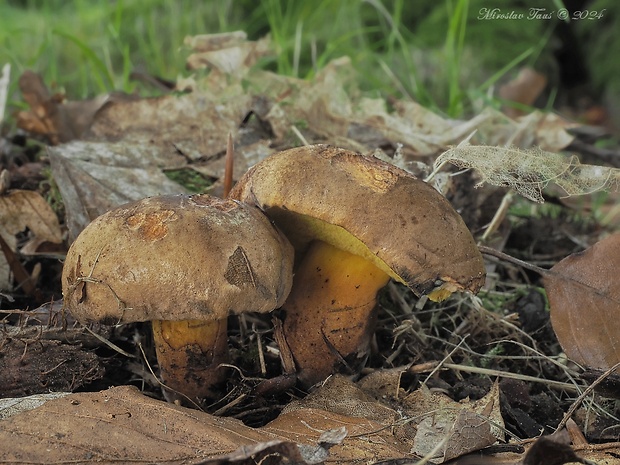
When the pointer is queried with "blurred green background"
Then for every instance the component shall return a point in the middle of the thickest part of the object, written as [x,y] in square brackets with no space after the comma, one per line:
[444,54]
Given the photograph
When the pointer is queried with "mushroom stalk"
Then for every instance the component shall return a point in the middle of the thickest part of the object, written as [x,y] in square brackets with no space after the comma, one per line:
[330,312]
[189,353]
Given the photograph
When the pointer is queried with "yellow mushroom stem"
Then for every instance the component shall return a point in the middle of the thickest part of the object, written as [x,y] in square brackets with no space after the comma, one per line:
[330,312]
[188,353]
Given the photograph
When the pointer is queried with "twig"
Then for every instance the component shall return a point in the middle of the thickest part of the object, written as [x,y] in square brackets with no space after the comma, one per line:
[587,391]
[108,343]
[515,261]
[485,371]
[228,170]
[299,135]
[167,388]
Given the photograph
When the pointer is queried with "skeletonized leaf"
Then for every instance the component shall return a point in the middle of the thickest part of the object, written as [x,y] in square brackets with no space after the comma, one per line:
[584,295]
[530,171]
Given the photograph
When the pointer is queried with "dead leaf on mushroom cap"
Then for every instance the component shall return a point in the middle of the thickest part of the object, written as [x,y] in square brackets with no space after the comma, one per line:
[584,295]
[176,257]
[407,228]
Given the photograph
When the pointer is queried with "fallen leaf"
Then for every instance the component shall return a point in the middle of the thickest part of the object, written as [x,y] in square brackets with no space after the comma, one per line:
[584,296]
[16,405]
[22,210]
[536,129]
[196,124]
[94,177]
[227,53]
[523,89]
[448,429]
[554,449]
[51,116]
[530,171]
[140,429]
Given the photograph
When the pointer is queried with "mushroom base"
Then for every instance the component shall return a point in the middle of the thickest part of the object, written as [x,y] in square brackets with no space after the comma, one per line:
[189,353]
[330,312]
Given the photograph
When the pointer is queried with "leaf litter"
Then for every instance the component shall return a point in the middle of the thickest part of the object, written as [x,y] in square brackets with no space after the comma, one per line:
[116,148]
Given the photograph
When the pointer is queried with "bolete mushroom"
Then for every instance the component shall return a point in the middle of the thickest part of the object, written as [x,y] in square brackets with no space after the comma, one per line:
[184,263]
[355,222]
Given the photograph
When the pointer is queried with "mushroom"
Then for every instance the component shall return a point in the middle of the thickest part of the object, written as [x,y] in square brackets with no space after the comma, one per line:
[355,222]
[184,263]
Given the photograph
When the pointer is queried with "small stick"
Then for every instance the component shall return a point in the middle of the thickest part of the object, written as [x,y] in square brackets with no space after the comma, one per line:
[583,395]
[261,354]
[228,172]
[494,373]
[515,261]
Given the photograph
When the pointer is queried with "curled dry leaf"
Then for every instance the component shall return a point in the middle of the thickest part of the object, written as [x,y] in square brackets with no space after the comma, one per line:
[50,115]
[460,427]
[229,52]
[584,295]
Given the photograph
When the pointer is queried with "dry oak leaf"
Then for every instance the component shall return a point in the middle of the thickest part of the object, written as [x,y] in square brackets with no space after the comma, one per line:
[584,295]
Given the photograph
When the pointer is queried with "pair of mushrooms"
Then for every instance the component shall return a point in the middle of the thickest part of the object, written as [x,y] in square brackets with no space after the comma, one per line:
[186,262]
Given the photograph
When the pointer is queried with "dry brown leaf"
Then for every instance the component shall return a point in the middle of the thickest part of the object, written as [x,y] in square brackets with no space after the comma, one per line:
[138,429]
[537,129]
[50,115]
[458,427]
[554,449]
[523,89]
[584,295]
[95,177]
[21,210]
[196,124]
[227,53]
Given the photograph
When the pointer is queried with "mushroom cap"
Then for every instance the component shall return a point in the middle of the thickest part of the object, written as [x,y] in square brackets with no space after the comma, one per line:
[177,257]
[369,207]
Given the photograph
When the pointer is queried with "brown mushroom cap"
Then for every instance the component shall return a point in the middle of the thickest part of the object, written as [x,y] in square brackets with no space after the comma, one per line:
[177,257]
[407,228]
